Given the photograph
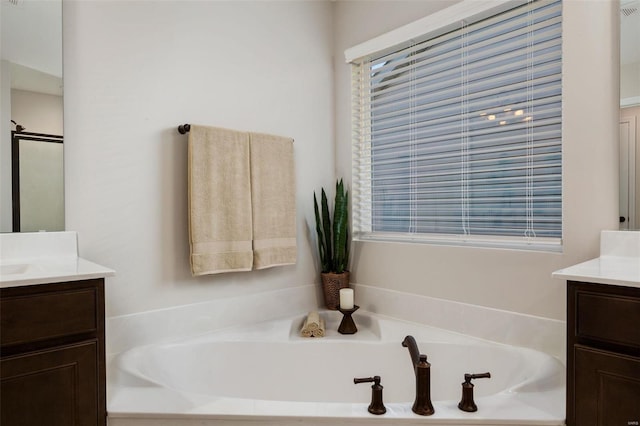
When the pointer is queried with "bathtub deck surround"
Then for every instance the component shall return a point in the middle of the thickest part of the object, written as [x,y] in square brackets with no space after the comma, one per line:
[164,325]
[495,325]
[163,383]
[542,334]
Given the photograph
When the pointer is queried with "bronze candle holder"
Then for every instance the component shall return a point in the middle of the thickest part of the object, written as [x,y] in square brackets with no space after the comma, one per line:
[347,326]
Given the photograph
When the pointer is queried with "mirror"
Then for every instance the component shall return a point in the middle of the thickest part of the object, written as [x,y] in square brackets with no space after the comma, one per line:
[629,114]
[31,122]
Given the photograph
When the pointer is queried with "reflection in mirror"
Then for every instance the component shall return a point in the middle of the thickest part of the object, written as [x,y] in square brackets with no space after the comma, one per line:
[629,114]
[38,185]
[31,102]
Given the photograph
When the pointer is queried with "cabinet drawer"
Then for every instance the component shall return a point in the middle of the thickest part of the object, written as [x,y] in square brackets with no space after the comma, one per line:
[37,316]
[608,318]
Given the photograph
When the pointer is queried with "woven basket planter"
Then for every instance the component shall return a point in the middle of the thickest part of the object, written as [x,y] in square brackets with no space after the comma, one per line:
[331,285]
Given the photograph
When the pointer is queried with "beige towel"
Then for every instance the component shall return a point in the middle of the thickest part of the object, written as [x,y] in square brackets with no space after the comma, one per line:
[313,326]
[273,200]
[313,321]
[320,331]
[220,222]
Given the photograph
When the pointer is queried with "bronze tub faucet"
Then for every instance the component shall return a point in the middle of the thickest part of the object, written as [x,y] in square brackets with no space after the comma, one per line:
[422,369]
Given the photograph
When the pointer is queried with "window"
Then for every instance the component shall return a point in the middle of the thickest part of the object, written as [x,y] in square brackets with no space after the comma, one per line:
[457,134]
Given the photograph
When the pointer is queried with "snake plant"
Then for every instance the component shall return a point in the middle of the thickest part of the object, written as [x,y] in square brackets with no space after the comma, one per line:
[333,241]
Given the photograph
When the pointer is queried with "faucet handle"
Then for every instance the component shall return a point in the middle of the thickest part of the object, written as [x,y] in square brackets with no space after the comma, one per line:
[377,406]
[374,379]
[467,403]
[468,377]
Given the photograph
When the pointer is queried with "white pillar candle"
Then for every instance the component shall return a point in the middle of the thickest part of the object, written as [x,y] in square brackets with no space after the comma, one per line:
[346,298]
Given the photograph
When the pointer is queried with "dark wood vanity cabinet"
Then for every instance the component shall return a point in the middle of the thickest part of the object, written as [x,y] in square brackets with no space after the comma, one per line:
[52,364]
[603,355]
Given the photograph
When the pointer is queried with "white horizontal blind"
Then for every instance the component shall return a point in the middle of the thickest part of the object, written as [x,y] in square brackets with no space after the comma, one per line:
[459,136]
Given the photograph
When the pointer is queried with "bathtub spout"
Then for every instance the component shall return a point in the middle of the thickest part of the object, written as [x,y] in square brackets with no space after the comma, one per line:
[422,369]
[410,343]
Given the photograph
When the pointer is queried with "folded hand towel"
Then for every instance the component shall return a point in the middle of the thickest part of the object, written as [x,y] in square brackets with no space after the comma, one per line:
[313,321]
[320,331]
[273,200]
[313,326]
[220,222]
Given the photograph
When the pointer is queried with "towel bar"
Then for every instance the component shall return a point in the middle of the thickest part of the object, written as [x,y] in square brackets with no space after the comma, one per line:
[184,128]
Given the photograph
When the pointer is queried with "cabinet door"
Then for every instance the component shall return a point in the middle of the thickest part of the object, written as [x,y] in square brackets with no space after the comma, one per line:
[54,387]
[607,388]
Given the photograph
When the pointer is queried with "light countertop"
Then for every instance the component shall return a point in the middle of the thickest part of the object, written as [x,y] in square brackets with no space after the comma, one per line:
[29,258]
[49,270]
[618,264]
[614,270]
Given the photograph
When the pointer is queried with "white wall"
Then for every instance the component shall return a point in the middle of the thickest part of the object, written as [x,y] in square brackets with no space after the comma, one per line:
[517,281]
[134,71]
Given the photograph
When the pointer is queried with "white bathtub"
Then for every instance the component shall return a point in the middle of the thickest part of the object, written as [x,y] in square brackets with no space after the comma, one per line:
[266,373]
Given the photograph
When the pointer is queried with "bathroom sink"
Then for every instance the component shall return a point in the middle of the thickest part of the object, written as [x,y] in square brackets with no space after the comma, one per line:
[14,269]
